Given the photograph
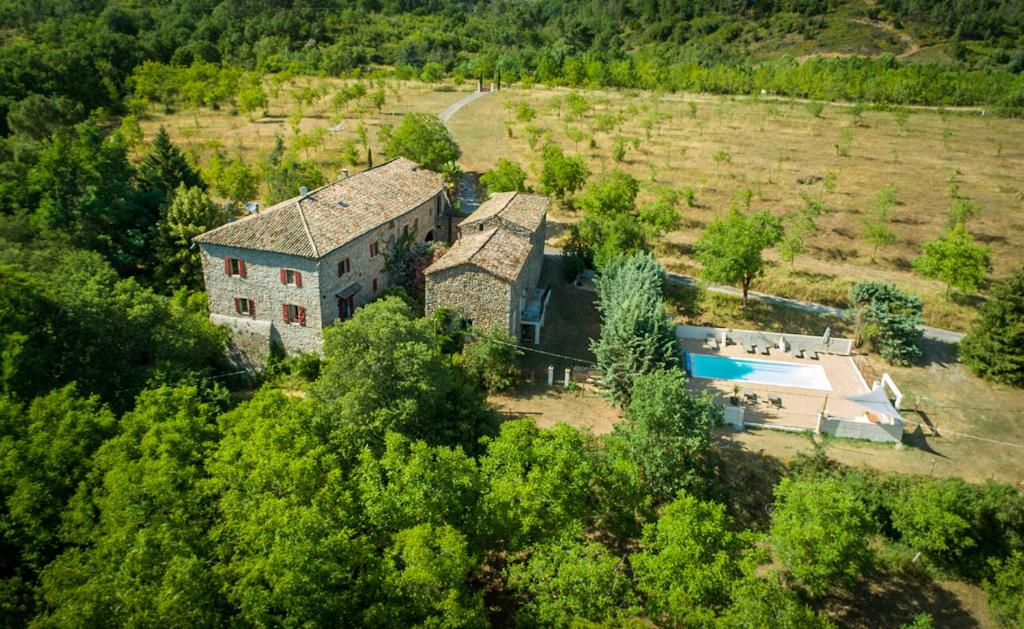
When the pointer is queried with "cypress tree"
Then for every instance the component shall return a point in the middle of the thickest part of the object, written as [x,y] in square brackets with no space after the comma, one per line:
[637,336]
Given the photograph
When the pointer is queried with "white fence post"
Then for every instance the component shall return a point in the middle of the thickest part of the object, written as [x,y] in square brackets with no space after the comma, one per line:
[551,375]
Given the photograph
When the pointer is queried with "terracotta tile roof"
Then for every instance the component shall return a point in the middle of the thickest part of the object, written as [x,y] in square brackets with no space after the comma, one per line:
[498,251]
[313,224]
[519,208]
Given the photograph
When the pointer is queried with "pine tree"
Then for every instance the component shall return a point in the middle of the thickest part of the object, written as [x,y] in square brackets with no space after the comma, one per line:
[995,347]
[165,168]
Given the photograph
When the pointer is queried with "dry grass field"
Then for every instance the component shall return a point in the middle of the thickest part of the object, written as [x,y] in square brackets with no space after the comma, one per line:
[728,150]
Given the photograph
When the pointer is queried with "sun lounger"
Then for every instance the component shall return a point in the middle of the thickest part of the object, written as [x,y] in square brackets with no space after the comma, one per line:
[775,400]
[711,343]
[798,353]
[750,396]
[748,347]
[764,349]
[813,355]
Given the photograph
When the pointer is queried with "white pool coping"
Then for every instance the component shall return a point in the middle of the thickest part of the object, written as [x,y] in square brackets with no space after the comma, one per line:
[774,363]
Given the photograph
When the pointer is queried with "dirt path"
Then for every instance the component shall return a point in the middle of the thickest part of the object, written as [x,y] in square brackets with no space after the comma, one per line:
[449,111]
[908,41]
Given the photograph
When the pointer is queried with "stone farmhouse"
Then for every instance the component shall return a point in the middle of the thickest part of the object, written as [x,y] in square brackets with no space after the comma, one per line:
[491,274]
[283,274]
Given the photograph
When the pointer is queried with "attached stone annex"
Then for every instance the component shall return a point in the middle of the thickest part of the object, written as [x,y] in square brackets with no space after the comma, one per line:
[490,275]
[281,275]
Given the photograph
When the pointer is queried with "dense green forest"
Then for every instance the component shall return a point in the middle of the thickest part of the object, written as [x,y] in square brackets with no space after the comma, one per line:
[87,51]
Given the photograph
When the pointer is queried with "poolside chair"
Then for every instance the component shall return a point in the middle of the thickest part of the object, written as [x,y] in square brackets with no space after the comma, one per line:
[764,349]
[775,400]
[710,342]
[748,347]
[813,355]
[750,396]
[798,353]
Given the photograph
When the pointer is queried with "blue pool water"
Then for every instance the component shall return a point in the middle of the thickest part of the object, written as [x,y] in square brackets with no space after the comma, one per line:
[782,374]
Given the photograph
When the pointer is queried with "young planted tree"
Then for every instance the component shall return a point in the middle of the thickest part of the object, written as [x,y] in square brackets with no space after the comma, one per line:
[637,336]
[506,176]
[877,226]
[956,260]
[561,176]
[731,248]
[961,211]
[424,139]
[994,349]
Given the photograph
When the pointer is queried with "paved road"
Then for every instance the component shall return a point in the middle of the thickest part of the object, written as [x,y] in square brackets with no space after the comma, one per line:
[935,334]
[449,111]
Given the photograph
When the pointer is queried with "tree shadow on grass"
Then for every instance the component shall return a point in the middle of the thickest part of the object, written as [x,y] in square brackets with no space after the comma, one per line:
[936,352]
[893,598]
[745,480]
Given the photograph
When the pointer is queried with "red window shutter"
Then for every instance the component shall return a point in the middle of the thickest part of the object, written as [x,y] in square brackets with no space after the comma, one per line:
[238,306]
[284,312]
[341,268]
[348,265]
[284,278]
[298,279]
[241,268]
[252,308]
[227,265]
[351,305]
[302,316]
[375,285]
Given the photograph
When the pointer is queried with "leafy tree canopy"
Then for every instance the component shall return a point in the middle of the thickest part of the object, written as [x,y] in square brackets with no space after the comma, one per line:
[506,176]
[424,139]
[955,259]
[731,248]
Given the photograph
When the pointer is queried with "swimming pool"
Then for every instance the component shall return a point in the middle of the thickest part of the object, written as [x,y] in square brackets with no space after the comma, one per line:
[768,372]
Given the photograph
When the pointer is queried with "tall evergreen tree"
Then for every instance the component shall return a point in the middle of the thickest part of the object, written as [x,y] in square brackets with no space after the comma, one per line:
[191,213]
[165,168]
[995,347]
[636,335]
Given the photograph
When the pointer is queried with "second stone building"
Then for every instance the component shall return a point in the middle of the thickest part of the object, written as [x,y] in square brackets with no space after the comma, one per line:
[490,275]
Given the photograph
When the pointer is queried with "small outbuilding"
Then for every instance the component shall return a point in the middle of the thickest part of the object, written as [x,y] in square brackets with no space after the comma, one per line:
[490,275]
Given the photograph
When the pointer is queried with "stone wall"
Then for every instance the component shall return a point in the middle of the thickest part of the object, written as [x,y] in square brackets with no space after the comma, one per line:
[320,282]
[364,269]
[262,284]
[475,294]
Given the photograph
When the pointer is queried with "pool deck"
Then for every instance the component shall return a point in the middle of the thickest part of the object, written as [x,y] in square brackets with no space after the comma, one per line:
[800,407]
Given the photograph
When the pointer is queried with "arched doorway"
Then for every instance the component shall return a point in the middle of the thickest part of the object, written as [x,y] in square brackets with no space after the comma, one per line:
[430,236]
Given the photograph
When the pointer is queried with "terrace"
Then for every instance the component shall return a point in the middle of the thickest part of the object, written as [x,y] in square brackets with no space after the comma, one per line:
[773,388]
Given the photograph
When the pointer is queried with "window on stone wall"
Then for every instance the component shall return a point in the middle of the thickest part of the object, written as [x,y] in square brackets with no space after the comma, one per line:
[234,266]
[293,314]
[245,307]
[344,267]
[374,248]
